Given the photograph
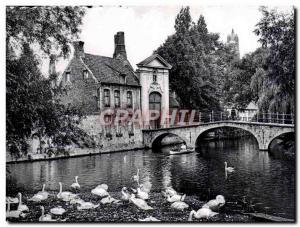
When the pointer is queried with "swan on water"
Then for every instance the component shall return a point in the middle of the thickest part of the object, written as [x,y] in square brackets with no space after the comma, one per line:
[136,177]
[45,217]
[215,204]
[58,210]
[179,205]
[76,184]
[175,198]
[125,194]
[12,213]
[170,191]
[65,196]
[149,219]
[140,203]
[22,207]
[202,213]
[228,169]
[39,196]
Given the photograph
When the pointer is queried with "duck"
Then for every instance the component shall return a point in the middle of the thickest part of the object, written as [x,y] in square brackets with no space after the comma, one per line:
[100,191]
[58,210]
[76,184]
[215,204]
[65,196]
[175,198]
[12,200]
[202,213]
[87,206]
[179,205]
[45,217]
[39,196]
[228,169]
[12,213]
[108,199]
[142,204]
[142,195]
[149,219]
[125,194]
[22,207]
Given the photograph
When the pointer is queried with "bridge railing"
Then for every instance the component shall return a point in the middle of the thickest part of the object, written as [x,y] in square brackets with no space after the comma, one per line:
[259,117]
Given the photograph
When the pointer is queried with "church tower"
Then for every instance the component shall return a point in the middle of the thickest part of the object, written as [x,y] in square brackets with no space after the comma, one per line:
[233,43]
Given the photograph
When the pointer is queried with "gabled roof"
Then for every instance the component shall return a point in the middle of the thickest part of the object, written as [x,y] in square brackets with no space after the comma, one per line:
[147,61]
[252,106]
[104,69]
[109,70]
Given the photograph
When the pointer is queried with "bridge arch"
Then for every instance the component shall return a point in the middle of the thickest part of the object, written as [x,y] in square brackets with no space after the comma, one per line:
[236,127]
[276,136]
[156,142]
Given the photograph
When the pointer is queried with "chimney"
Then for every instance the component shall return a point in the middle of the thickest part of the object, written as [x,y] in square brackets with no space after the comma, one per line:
[120,45]
[52,64]
[78,48]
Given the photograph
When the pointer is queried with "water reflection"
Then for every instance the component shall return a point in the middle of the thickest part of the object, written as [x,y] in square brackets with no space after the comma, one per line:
[266,181]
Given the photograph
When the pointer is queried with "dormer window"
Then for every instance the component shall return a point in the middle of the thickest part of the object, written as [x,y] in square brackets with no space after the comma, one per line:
[123,78]
[85,74]
[67,77]
[154,76]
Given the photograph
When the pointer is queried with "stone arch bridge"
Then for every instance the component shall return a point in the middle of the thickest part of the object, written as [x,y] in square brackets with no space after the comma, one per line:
[264,133]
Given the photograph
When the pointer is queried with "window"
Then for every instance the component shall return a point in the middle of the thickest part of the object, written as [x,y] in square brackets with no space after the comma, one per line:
[85,74]
[98,98]
[106,97]
[129,99]
[67,78]
[123,79]
[154,76]
[117,98]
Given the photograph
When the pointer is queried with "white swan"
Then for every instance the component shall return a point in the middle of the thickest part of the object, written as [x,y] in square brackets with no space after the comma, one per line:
[215,204]
[148,219]
[228,169]
[76,201]
[202,213]
[136,177]
[170,191]
[142,195]
[140,203]
[65,196]
[104,186]
[175,198]
[86,206]
[22,207]
[108,199]
[125,194]
[39,196]
[45,217]
[12,200]
[179,205]
[76,184]
[100,191]
[12,213]
[58,210]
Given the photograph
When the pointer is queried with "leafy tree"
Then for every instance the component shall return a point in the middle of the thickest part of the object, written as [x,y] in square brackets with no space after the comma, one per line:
[276,32]
[192,53]
[32,104]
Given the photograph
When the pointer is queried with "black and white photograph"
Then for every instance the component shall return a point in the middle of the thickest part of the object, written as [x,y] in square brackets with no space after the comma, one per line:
[150,113]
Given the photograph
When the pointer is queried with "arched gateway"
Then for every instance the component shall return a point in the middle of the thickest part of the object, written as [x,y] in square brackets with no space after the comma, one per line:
[263,132]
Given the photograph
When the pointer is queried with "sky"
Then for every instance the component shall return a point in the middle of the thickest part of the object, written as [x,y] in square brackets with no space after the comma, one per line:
[147,27]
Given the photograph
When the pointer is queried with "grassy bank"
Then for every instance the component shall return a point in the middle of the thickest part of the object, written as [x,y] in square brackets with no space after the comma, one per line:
[124,212]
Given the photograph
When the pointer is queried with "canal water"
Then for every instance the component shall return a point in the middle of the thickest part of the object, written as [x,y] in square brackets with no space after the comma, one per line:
[262,180]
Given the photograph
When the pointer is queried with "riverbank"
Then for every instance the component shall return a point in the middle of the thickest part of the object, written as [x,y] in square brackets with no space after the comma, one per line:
[123,212]
[77,152]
